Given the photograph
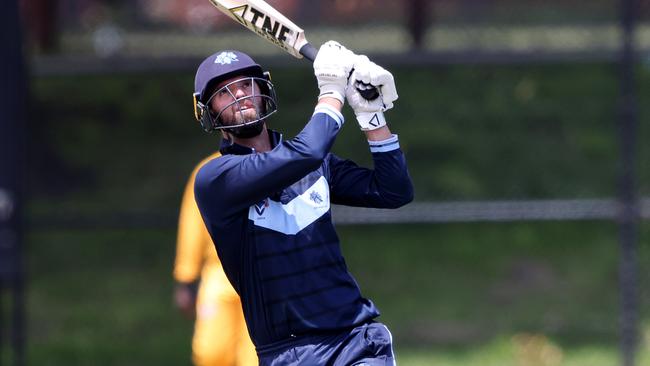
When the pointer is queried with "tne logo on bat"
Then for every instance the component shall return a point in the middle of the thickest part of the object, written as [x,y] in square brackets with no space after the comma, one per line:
[263,25]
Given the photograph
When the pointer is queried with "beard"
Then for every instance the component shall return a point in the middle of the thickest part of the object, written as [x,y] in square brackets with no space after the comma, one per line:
[246,116]
[244,110]
[248,131]
[248,111]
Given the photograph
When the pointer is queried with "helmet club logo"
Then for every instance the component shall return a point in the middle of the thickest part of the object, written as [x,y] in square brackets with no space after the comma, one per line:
[226,58]
[264,25]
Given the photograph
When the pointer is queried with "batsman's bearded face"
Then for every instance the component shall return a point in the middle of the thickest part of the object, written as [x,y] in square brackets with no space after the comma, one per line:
[237,101]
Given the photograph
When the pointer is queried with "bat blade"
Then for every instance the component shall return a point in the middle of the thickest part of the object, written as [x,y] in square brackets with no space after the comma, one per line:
[267,22]
[270,24]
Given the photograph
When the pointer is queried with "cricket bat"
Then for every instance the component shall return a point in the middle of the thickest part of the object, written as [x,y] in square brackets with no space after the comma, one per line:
[270,24]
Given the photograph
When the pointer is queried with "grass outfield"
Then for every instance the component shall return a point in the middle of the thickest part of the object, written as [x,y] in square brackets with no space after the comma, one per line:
[470,294]
[470,133]
[459,294]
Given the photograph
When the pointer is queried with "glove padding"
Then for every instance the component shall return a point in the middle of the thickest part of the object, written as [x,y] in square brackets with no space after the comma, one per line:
[369,113]
[332,67]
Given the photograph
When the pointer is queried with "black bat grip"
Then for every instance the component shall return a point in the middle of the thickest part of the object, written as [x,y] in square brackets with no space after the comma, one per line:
[310,52]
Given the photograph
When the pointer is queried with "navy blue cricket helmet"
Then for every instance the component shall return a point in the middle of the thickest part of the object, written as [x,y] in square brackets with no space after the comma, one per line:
[222,66]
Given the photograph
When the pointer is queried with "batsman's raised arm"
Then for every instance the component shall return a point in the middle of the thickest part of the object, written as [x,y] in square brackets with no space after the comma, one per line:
[388,185]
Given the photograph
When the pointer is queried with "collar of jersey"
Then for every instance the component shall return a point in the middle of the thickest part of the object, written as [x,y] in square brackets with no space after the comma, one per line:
[228,147]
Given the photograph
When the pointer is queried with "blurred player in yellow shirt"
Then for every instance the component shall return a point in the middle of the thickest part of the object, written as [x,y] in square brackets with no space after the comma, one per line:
[220,334]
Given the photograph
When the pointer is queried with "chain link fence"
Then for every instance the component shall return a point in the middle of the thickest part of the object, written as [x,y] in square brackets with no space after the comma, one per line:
[162,28]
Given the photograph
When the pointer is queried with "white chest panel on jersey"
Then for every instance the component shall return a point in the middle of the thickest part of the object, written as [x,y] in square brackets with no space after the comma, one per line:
[296,215]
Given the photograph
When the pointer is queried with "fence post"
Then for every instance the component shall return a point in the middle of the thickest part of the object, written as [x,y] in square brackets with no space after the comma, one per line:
[629,210]
[12,106]
[417,16]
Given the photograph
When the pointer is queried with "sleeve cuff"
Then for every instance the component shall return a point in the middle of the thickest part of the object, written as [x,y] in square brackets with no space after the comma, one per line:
[390,144]
[330,111]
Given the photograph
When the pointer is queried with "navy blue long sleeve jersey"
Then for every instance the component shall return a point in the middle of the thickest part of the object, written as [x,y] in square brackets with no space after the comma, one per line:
[269,217]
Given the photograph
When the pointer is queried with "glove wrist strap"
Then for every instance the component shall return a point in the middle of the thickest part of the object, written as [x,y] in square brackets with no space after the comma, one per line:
[369,121]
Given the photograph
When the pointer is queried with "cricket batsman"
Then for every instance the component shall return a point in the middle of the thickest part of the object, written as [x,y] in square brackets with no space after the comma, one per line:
[266,204]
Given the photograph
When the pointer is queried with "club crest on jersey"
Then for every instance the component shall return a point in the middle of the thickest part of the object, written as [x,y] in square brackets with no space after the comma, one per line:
[226,58]
[316,197]
[261,206]
[291,217]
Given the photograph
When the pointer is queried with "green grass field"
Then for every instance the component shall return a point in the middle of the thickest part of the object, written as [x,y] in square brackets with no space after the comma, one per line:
[455,294]
[462,294]
[470,132]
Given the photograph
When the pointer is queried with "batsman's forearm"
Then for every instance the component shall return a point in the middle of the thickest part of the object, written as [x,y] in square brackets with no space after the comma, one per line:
[392,179]
[332,102]
[379,134]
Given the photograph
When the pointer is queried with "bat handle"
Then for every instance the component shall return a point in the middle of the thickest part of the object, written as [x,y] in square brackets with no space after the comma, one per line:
[310,52]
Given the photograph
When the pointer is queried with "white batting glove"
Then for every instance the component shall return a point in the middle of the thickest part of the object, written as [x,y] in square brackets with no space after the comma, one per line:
[370,113]
[332,68]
